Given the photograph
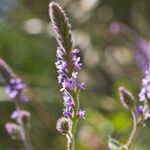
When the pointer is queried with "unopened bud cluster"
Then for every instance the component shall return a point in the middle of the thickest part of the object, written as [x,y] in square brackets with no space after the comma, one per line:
[126,98]
[64,125]
[13,129]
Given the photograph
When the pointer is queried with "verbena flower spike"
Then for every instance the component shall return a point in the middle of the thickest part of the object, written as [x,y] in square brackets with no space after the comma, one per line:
[68,66]
[15,88]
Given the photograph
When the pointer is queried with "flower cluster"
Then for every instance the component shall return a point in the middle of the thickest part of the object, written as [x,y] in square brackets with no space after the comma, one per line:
[145,91]
[14,89]
[68,66]
[14,129]
[144,96]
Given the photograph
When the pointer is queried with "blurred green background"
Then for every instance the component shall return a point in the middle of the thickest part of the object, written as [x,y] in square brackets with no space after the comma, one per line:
[27,44]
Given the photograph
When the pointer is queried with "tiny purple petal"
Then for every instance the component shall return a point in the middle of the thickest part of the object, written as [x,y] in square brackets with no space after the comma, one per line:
[13,94]
[139,110]
[81,114]
[12,81]
[74,51]
[15,88]
[61,64]
[59,53]
[82,86]
[66,113]
[24,98]
[70,83]
[147,115]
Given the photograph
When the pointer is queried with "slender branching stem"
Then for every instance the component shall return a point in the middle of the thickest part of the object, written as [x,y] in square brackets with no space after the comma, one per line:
[134,131]
[75,119]
[24,137]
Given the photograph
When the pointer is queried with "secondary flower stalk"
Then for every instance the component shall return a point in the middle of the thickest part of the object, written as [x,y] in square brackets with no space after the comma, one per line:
[140,111]
[14,89]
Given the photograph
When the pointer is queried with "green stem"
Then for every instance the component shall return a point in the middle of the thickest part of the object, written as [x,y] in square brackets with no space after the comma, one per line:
[134,131]
[73,131]
[75,96]
[24,138]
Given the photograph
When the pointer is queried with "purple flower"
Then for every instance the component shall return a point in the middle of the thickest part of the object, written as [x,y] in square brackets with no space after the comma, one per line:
[147,115]
[14,88]
[75,60]
[81,114]
[68,101]
[144,94]
[139,110]
[59,53]
[81,86]
[61,65]
[66,112]
[24,99]
[145,91]
[69,84]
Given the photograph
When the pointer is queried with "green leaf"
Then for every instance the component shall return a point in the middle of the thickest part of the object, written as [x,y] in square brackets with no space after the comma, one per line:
[114,144]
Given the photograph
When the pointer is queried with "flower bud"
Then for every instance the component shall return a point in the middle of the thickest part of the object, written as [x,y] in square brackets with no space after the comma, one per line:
[13,130]
[21,116]
[64,125]
[126,98]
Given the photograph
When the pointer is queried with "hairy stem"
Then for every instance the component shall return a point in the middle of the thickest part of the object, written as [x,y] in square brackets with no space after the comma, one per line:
[73,131]
[24,137]
[75,119]
[134,131]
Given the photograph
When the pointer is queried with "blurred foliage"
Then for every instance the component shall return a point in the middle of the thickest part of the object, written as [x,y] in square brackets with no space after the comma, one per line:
[28,46]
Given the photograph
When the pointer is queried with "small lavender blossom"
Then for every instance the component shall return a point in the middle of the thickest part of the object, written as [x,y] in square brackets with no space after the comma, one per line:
[139,110]
[14,88]
[75,60]
[147,115]
[81,114]
[68,103]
